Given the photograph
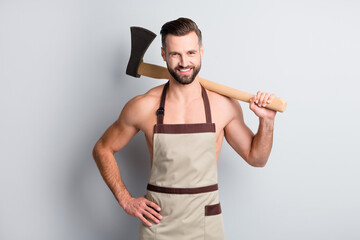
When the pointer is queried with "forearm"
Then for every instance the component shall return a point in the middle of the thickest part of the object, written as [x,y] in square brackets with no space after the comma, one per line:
[262,143]
[109,170]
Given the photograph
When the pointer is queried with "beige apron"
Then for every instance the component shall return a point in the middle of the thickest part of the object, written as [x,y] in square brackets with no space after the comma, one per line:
[183,180]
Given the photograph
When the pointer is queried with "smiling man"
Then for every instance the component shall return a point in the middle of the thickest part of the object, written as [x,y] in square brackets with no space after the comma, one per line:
[173,48]
[184,126]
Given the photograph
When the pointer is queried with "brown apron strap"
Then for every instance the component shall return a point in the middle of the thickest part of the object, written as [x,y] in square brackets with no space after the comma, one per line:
[206,105]
[161,110]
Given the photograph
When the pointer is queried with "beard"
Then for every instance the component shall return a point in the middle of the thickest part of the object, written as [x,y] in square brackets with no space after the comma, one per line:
[184,79]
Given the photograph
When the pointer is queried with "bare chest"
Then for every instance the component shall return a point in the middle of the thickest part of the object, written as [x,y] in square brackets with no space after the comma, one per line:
[184,114]
[176,113]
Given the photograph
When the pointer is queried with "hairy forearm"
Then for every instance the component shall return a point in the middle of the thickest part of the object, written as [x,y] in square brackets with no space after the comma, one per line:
[262,143]
[109,170]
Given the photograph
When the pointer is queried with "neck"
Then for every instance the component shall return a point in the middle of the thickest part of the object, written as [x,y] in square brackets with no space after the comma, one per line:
[184,93]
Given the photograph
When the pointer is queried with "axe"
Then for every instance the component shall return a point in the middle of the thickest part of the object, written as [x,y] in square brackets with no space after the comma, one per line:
[141,39]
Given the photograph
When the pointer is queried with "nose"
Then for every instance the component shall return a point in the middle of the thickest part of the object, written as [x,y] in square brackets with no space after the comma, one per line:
[184,61]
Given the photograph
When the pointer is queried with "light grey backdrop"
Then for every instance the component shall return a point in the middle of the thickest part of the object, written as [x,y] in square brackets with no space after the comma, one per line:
[63,82]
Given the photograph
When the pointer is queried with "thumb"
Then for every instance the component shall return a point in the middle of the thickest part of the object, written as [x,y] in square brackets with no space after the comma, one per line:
[252,100]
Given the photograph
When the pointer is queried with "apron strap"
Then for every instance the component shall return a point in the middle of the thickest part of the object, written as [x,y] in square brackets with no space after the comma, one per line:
[161,110]
[206,105]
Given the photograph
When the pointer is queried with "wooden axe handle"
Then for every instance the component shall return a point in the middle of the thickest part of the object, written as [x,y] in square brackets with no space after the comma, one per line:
[155,71]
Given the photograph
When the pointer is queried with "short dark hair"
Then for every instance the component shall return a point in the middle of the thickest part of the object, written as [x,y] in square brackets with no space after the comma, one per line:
[179,27]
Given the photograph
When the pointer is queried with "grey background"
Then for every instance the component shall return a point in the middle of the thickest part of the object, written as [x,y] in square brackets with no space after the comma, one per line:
[63,82]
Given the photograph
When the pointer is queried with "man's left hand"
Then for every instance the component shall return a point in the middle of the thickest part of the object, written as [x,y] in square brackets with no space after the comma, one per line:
[258,104]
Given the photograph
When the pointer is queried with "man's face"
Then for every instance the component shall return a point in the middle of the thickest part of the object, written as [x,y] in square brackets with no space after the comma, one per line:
[183,57]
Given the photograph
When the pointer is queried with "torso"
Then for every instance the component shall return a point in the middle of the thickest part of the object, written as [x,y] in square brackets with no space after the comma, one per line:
[183,177]
[178,113]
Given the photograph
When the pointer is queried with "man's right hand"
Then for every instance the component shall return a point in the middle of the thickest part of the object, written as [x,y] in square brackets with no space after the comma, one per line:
[141,208]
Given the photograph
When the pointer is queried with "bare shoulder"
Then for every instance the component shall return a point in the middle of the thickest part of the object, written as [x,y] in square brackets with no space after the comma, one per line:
[141,108]
[145,100]
[224,109]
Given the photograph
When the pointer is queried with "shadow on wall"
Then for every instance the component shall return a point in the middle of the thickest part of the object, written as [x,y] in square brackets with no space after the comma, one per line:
[91,208]
[94,209]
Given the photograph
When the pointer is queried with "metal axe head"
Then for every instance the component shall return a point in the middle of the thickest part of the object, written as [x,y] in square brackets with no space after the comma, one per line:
[141,39]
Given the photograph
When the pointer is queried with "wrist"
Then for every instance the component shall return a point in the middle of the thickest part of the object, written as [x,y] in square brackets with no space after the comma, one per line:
[266,121]
[124,200]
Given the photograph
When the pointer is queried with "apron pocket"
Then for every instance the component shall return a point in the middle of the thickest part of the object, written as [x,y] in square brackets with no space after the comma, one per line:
[214,226]
[211,210]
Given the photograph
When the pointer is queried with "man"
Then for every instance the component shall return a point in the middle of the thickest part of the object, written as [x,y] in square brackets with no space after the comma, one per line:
[184,138]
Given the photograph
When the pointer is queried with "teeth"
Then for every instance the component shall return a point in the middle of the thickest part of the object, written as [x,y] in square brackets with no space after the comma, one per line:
[184,70]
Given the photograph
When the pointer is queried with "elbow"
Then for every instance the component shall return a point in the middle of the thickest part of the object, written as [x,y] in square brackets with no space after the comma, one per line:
[100,150]
[96,150]
[256,160]
[258,163]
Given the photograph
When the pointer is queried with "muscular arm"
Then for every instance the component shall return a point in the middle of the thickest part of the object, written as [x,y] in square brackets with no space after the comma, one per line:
[254,149]
[113,140]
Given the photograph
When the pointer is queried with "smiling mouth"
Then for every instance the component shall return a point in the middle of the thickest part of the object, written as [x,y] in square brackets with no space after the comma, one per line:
[185,70]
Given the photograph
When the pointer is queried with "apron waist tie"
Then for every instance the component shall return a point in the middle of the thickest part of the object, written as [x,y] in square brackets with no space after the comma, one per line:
[205,189]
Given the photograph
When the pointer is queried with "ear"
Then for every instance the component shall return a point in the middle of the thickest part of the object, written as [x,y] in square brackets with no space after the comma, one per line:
[202,51]
[163,54]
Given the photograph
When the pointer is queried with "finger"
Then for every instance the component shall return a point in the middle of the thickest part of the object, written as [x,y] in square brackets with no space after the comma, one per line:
[153,205]
[261,100]
[258,95]
[252,103]
[266,97]
[145,221]
[252,99]
[154,213]
[150,216]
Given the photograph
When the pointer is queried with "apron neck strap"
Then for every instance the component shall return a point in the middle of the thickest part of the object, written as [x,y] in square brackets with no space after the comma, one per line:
[206,105]
[161,110]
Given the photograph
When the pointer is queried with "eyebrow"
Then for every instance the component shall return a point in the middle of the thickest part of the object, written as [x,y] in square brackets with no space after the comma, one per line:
[172,52]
